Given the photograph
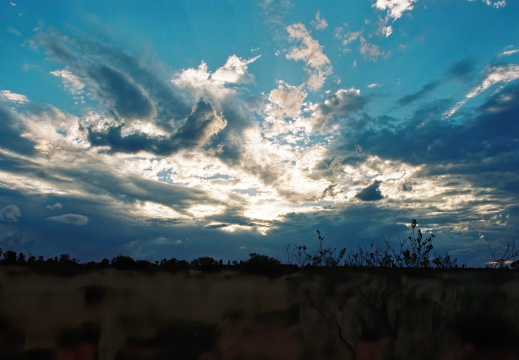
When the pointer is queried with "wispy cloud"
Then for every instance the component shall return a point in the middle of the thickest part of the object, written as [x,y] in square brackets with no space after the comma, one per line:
[7,95]
[496,74]
[73,219]
[319,23]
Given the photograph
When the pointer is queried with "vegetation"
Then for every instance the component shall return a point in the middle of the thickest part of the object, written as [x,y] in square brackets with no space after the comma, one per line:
[414,252]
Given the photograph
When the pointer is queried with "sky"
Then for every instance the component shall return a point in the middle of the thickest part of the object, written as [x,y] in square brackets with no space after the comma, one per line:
[161,129]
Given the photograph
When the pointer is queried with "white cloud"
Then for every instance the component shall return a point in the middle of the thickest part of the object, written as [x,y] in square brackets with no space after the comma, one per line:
[10,213]
[70,219]
[70,81]
[395,8]
[202,83]
[7,95]
[234,71]
[509,52]
[371,86]
[496,4]
[286,100]
[347,38]
[309,51]
[319,23]
[371,51]
[497,74]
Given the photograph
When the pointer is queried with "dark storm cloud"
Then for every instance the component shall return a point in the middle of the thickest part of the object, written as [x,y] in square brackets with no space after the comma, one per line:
[10,131]
[370,193]
[200,126]
[126,98]
[420,94]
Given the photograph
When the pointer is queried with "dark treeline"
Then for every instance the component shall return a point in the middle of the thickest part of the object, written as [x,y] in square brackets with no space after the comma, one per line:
[414,252]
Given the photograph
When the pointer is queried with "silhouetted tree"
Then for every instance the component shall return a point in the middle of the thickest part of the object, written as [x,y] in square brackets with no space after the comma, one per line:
[10,257]
[123,263]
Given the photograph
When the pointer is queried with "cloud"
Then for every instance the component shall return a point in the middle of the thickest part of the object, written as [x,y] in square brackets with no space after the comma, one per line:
[338,106]
[347,38]
[198,129]
[375,85]
[201,82]
[317,63]
[121,93]
[319,23]
[461,70]
[496,74]
[368,50]
[7,95]
[286,100]
[12,129]
[71,82]
[370,193]
[13,31]
[509,52]
[70,219]
[10,213]
[126,88]
[395,8]
[371,51]
[424,91]
[234,71]
[54,206]
[496,4]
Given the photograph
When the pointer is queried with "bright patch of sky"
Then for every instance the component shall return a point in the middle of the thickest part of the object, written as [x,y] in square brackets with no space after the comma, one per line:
[240,126]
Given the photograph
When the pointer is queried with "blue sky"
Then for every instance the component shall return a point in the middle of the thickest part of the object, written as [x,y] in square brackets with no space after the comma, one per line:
[159,129]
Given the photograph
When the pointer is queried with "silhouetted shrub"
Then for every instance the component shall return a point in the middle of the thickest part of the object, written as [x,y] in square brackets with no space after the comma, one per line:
[205,264]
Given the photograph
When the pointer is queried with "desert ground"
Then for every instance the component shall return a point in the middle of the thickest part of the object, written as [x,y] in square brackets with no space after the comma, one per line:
[340,314]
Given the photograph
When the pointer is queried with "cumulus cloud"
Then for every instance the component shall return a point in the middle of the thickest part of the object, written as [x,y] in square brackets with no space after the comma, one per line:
[234,71]
[317,63]
[73,219]
[198,129]
[370,193]
[496,74]
[7,95]
[395,8]
[319,23]
[201,82]
[10,213]
[286,100]
[509,52]
[338,106]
